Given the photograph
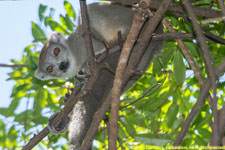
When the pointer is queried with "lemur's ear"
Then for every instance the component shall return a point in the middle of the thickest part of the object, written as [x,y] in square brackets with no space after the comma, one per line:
[56,37]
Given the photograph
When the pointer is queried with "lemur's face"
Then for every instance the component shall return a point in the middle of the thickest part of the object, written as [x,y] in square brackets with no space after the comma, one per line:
[55,60]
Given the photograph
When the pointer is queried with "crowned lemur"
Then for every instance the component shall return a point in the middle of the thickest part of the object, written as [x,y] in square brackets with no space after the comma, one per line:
[64,58]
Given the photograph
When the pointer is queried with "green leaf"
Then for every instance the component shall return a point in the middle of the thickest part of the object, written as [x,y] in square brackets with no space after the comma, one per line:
[20,117]
[12,134]
[42,9]
[52,12]
[204,132]
[7,112]
[192,48]
[69,10]
[188,27]
[177,123]
[163,59]
[17,89]
[40,120]
[38,33]
[4,111]
[149,139]
[200,141]
[67,22]
[171,115]
[179,68]
[55,26]
[174,20]
[205,120]
[40,101]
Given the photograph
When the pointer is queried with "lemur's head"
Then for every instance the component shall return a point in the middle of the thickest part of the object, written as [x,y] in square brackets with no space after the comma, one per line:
[55,60]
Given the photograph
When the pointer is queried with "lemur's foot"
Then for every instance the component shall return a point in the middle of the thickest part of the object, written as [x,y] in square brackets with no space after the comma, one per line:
[62,127]
[81,77]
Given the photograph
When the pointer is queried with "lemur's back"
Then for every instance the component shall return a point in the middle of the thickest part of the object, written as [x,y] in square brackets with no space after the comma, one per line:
[111,18]
[105,21]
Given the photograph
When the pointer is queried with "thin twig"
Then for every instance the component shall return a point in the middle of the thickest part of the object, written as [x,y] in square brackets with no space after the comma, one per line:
[166,36]
[175,7]
[13,65]
[36,139]
[222,111]
[87,33]
[208,34]
[146,94]
[209,66]
[213,20]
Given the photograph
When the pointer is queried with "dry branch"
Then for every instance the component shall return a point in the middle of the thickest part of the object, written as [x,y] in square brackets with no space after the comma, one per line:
[222,110]
[166,36]
[175,7]
[204,51]
[87,33]
[117,85]
[13,65]
[195,109]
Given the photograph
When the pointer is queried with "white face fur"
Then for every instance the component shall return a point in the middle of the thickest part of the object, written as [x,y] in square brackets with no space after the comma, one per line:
[56,60]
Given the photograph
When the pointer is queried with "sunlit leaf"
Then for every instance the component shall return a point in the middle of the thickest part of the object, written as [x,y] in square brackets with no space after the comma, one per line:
[67,22]
[69,10]
[38,33]
[12,134]
[55,26]
[204,132]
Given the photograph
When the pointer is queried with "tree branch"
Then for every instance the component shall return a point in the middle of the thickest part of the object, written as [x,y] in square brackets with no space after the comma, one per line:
[13,65]
[166,36]
[87,33]
[175,7]
[209,66]
[137,24]
[222,7]
[203,93]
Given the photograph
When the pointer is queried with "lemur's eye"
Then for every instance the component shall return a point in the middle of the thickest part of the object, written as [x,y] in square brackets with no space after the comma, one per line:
[56,51]
[50,68]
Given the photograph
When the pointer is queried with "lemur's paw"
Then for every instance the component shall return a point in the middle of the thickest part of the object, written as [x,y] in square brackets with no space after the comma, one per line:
[67,95]
[62,127]
[81,77]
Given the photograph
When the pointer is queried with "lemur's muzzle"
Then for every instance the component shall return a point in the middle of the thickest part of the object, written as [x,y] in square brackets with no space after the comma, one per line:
[63,66]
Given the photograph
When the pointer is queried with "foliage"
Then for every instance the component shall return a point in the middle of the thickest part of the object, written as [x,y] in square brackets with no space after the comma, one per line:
[156,119]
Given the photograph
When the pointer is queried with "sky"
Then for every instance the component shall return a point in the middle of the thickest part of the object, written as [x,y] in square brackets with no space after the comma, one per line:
[15,34]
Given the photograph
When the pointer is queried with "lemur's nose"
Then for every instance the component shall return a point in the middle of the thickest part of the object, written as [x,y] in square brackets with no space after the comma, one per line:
[63,66]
